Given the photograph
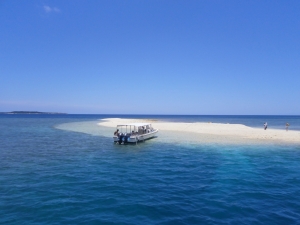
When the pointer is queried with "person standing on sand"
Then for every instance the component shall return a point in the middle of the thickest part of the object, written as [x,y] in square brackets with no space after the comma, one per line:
[265,125]
[287,126]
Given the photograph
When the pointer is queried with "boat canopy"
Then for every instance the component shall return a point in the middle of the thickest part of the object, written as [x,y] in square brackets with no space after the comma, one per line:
[134,124]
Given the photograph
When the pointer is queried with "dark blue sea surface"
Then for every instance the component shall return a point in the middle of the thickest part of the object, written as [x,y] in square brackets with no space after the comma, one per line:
[55,176]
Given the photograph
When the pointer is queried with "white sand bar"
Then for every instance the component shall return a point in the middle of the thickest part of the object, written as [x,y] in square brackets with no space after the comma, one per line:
[213,132]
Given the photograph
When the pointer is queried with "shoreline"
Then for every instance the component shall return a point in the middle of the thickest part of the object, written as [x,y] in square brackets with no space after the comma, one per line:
[213,132]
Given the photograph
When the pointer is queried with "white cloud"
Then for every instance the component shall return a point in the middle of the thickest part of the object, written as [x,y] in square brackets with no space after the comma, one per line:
[49,9]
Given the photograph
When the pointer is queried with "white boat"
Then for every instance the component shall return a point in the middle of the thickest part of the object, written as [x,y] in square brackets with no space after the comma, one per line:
[134,132]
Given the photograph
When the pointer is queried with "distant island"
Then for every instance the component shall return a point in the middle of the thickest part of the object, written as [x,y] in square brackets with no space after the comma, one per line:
[30,112]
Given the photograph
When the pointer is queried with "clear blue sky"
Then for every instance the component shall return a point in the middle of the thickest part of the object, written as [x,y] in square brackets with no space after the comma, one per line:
[150,57]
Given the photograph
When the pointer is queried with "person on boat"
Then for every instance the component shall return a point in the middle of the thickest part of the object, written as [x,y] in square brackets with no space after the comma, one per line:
[116,133]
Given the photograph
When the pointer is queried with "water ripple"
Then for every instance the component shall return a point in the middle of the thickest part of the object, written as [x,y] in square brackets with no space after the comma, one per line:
[51,176]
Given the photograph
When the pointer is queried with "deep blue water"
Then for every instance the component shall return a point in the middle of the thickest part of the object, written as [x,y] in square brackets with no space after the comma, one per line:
[53,176]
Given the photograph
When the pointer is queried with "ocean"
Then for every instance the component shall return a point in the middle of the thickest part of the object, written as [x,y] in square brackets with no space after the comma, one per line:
[64,169]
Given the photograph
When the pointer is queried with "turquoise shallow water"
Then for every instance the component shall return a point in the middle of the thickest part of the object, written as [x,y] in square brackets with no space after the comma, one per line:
[56,176]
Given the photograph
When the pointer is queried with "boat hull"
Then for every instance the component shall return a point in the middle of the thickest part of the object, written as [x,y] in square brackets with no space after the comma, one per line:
[135,138]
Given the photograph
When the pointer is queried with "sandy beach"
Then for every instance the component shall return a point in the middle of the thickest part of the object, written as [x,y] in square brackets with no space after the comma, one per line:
[212,132]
